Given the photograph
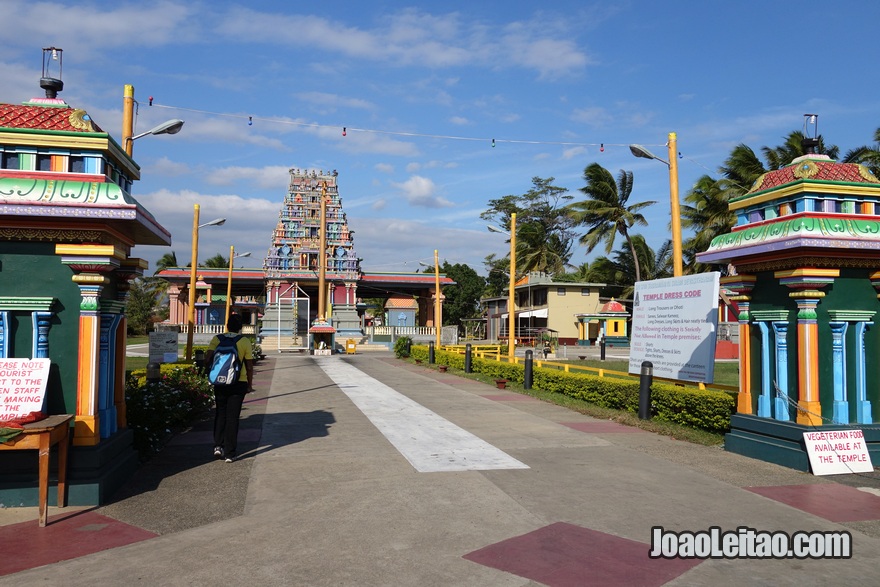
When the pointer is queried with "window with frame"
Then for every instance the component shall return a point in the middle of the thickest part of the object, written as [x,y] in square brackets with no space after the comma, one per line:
[560,291]
[585,291]
[9,160]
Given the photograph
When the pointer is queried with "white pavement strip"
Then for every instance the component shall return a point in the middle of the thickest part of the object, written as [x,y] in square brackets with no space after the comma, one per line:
[429,442]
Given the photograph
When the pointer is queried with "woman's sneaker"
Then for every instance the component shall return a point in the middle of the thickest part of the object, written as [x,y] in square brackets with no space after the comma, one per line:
[230,457]
[218,452]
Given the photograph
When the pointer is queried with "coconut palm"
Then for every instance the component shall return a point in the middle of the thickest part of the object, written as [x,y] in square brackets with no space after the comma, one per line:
[793,147]
[707,213]
[867,155]
[218,261]
[165,261]
[606,212]
[540,249]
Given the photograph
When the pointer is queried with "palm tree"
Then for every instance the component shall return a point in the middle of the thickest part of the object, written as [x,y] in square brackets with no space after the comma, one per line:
[165,261]
[707,213]
[793,147]
[605,211]
[540,249]
[218,261]
[866,155]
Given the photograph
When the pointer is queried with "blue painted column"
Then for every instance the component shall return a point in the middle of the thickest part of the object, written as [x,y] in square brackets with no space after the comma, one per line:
[764,409]
[107,413]
[42,322]
[863,406]
[781,407]
[4,335]
[838,356]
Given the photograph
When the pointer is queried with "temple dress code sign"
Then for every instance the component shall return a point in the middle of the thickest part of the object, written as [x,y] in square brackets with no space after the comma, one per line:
[22,386]
[835,452]
[674,326]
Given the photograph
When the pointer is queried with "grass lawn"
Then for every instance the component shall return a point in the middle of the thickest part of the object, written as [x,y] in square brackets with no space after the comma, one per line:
[726,372]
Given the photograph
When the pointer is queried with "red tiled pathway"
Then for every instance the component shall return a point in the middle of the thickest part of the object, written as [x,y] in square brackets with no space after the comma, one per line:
[67,536]
[834,502]
[563,555]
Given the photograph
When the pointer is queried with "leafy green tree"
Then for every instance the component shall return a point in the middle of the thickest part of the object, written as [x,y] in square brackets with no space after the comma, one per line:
[606,211]
[498,281]
[165,261]
[463,298]
[867,155]
[707,213]
[218,261]
[793,147]
[544,233]
[140,307]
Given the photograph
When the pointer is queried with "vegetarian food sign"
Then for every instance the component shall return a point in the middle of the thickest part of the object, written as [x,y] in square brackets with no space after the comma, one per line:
[833,452]
[674,325]
[22,386]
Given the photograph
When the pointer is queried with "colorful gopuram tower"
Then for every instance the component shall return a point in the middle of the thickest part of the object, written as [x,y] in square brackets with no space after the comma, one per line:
[68,223]
[805,270]
[307,267]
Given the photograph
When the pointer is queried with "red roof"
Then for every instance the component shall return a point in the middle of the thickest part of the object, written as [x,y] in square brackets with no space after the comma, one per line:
[613,307]
[401,302]
[815,168]
[47,114]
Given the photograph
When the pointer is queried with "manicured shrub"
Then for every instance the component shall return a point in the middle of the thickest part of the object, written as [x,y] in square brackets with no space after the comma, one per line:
[689,406]
[155,410]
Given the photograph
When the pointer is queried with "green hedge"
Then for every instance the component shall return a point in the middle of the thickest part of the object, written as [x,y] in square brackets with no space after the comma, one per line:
[689,406]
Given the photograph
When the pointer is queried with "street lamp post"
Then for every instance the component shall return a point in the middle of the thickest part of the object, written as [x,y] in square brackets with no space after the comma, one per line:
[169,127]
[232,256]
[640,151]
[438,306]
[511,325]
[191,309]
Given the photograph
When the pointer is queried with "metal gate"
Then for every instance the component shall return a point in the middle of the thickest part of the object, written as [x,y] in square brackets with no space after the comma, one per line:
[286,321]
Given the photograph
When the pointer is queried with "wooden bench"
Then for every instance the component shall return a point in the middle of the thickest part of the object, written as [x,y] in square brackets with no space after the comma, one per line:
[41,436]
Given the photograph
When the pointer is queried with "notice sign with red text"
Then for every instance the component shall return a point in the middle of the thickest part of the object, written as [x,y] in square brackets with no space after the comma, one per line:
[674,326]
[22,386]
[834,452]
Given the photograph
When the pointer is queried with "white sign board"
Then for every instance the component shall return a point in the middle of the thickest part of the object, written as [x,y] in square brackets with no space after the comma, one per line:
[22,386]
[674,324]
[834,452]
[163,347]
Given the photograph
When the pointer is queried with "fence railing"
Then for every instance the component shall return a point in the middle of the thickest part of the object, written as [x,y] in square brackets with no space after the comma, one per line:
[499,353]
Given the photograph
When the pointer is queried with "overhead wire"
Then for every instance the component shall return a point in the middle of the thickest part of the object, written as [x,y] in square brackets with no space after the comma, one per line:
[346,129]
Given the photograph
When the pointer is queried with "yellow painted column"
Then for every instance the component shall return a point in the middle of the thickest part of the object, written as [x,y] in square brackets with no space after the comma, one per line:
[805,283]
[809,406]
[86,429]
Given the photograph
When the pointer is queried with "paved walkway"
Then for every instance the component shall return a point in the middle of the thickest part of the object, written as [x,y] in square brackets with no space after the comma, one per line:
[366,470]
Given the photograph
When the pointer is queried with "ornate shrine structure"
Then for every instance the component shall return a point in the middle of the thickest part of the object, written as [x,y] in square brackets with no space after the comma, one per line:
[805,273]
[300,254]
[68,223]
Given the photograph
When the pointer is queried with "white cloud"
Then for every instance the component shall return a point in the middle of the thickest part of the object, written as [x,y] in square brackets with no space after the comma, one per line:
[396,244]
[594,116]
[573,152]
[384,167]
[165,167]
[330,102]
[87,29]
[248,227]
[418,38]
[275,177]
[421,191]
[459,120]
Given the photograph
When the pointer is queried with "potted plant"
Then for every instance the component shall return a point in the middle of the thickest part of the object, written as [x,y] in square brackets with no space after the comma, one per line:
[443,368]
[501,383]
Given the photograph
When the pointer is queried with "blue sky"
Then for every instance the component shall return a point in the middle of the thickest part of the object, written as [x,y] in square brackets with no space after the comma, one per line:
[423,88]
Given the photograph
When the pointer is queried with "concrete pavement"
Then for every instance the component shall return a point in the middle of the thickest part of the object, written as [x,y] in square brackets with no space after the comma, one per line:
[320,496]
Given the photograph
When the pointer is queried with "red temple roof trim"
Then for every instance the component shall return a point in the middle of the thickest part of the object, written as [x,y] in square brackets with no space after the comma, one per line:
[57,116]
